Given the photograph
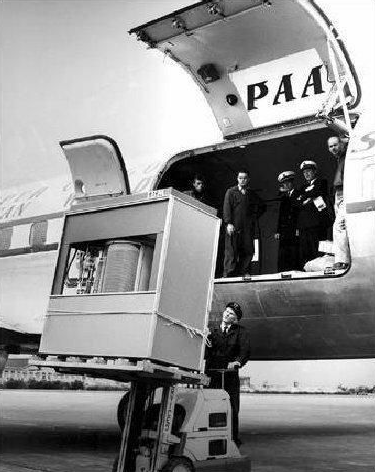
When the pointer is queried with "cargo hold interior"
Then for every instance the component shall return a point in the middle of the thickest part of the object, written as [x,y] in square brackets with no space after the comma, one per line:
[264,157]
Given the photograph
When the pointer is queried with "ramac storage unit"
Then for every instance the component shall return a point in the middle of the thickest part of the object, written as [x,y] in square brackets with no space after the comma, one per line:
[134,279]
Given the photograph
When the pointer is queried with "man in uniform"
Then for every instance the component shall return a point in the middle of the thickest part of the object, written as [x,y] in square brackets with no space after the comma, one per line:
[229,349]
[337,147]
[287,233]
[242,208]
[314,216]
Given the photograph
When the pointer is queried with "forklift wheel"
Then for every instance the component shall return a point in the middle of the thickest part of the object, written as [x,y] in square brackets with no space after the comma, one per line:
[178,464]
[121,408]
[115,464]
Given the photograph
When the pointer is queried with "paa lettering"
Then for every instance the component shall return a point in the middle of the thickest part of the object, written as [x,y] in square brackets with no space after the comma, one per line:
[285,91]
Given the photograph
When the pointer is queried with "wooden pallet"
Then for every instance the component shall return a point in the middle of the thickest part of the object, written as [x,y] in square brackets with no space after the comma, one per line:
[122,370]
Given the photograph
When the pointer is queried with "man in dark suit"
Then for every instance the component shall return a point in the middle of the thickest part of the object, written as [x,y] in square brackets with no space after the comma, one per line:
[242,208]
[287,234]
[314,215]
[229,349]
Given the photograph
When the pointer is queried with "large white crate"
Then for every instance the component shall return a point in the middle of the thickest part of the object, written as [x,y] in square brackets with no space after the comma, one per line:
[164,323]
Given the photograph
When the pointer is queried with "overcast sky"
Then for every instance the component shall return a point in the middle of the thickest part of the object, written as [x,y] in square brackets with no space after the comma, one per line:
[70,69]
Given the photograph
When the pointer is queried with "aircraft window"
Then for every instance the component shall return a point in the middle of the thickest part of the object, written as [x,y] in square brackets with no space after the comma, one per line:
[217,447]
[38,234]
[217,420]
[5,238]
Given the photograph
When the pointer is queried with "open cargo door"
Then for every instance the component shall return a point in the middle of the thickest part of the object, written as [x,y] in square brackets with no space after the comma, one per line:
[258,62]
[97,167]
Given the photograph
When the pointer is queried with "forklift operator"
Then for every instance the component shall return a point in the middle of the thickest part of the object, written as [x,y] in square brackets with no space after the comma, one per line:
[228,350]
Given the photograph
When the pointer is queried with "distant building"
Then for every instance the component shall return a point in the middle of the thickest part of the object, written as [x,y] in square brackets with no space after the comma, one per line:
[18,368]
[245,385]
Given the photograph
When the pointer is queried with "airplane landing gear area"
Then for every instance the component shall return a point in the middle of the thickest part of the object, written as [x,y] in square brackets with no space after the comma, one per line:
[169,422]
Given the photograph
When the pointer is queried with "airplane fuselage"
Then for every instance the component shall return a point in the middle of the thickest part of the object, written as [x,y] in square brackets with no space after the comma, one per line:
[270,125]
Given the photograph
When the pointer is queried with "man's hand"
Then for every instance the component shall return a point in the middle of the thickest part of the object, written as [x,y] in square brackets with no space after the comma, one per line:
[234,365]
[277,236]
[230,229]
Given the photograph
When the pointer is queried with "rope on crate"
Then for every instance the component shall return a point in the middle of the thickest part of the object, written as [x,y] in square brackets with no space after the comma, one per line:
[64,312]
[190,329]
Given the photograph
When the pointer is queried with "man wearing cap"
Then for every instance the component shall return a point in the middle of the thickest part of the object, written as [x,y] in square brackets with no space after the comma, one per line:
[337,147]
[287,233]
[314,215]
[229,349]
[242,208]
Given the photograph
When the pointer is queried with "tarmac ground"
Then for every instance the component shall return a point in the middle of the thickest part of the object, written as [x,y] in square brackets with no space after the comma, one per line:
[76,431]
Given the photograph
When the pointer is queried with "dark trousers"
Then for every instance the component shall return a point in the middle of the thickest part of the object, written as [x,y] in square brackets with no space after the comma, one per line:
[232,387]
[309,244]
[288,258]
[239,251]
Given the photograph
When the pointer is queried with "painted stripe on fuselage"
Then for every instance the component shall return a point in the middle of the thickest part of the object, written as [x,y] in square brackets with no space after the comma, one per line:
[28,250]
[20,237]
[360,207]
[32,219]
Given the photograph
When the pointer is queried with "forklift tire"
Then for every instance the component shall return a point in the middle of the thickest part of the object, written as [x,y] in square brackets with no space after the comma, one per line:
[115,464]
[178,464]
[121,408]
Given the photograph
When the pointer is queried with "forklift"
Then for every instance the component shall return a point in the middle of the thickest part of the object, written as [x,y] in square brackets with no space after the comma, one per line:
[170,420]
[182,428]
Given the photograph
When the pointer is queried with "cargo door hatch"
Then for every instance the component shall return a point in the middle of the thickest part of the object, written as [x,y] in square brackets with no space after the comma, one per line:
[96,166]
[258,63]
